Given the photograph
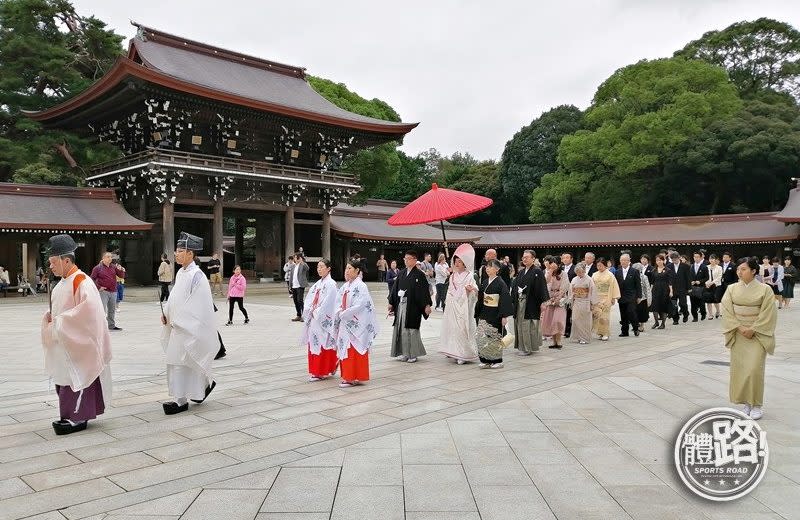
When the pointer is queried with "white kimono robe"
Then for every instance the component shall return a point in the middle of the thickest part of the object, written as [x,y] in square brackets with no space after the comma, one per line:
[356,324]
[318,318]
[77,345]
[190,337]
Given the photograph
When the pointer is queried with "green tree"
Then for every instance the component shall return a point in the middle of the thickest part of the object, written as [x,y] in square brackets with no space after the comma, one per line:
[482,178]
[741,164]
[638,117]
[376,168]
[48,53]
[532,153]
[413,179]
[759,55]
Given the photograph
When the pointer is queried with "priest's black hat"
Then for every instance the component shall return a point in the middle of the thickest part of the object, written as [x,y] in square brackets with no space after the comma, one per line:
[60,245]
[189,241]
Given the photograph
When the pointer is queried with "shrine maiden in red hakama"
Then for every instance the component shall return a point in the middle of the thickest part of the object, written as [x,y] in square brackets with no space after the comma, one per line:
[355,326]
[318,314]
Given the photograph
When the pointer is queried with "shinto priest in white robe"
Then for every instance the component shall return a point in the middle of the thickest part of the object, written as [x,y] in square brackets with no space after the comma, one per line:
[77,347]
[190,336]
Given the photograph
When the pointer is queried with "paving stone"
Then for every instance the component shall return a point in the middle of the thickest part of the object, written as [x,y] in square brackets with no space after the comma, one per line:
[271,446]
[35,464]
[12,487]
[149,476]
[285,426]
[56,498]
[257,480]
[181,450]
[368,503]
[511,502]
[173,505]
[429,448]
[659,502]
[302,490]
[47,447]
[378,467]
[612,466]
[123,447]
[89,470]
[436,488]
[231,504]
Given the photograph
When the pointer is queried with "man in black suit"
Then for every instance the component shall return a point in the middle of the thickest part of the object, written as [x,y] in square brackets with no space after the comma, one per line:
[729,275]
[680,287]
[504,272]
[698,276]
[630,291]
[589,261]
[569,269]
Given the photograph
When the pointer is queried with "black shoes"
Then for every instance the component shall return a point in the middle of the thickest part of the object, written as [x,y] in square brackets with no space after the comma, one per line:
[229,323]
[636,332]
[208,391]
[686,318]
[64,427]
[674,322]
[556,346]
[655,325]
[663,325]
[246,321]
[221,354]
[172,408]
[114,328]
[624,335]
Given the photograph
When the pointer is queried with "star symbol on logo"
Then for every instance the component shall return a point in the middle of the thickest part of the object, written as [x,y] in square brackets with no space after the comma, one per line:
[736,482]
[706,482]
[721,482]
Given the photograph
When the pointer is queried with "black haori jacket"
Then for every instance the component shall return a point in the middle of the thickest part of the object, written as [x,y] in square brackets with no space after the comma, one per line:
[535,289]
[494,303]
[417,289]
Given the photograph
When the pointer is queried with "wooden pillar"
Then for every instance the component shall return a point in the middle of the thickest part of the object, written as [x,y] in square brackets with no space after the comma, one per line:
[289,231]
[168,227]
[31,259]
[326,235]
[238,247]
[216,246]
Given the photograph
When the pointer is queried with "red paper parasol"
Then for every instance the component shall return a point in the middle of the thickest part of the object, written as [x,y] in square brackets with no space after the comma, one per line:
[439,204]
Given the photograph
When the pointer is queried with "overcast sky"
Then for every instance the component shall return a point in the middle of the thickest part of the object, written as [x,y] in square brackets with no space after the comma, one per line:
[472,73]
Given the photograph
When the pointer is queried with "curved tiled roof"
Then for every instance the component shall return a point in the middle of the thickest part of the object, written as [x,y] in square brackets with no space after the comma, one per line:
[52,208]
[215,73]
[790,212]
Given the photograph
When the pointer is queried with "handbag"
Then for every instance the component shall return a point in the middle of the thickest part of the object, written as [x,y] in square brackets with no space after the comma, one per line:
[697,292]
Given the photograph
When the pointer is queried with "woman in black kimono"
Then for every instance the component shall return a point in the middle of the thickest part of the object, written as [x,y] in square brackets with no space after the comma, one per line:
[661,304]
[493,309]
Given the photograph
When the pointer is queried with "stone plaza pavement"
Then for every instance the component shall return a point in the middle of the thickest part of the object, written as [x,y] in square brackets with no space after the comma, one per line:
[583,433]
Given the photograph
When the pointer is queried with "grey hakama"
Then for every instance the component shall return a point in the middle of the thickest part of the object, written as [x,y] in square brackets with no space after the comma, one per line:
[527,334]
[406,342]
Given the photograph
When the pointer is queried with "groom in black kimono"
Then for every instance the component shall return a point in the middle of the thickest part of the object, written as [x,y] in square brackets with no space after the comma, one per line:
[409,302]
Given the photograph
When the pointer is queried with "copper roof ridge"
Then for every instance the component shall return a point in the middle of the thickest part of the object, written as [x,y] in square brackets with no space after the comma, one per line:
[49,190]
[688,219]
[180,42]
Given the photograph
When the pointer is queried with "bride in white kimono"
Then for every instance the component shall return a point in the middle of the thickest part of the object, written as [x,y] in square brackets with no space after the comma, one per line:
[458,324]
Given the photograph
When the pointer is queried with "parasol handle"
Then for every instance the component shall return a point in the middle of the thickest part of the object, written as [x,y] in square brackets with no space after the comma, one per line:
[444,241]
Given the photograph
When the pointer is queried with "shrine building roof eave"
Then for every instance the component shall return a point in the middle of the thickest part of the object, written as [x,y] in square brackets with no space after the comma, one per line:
[222,171]
[125,69]
[42,208]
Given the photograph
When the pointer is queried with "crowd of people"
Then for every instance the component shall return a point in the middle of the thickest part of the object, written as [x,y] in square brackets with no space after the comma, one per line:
[552,298]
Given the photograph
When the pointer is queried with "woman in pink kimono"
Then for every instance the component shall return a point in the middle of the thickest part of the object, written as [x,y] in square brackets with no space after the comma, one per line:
[554,312]
[582,297]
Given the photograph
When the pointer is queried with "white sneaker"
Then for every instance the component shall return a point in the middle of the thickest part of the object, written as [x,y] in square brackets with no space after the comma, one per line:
[411,360]
[402,358]
[460,361]
[603,338]
[746,409]
[483,365]
[756,413]
[497,365]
